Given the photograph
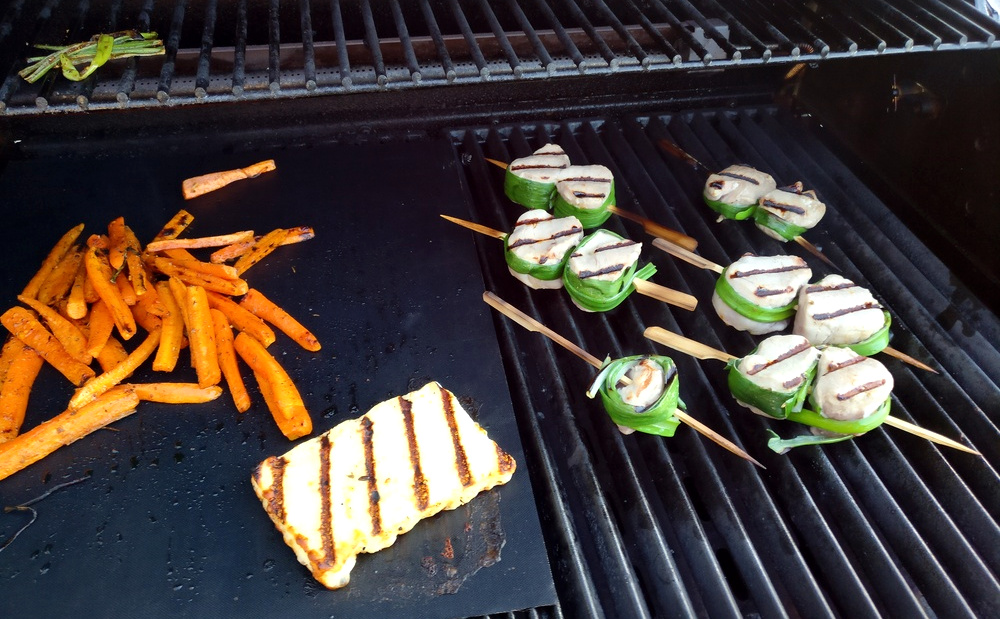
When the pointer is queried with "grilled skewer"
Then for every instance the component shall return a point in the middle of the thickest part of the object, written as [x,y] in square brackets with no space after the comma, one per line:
[702,351]
[533,325]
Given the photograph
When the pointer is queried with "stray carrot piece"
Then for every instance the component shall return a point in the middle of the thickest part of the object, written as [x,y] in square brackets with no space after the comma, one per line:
[267,244]
[227,361]
[201,337]
[276,386]
[76,302]
[17,381]
[102,323]
[296,234]
[89,292]
[126,290]
[60,280]
[263,307]
[173,228]
[25,327]
[65,428]
[112,355]
[68,334]
[176,393]
[243,319]
[172,333]
[223,271]
[51,260]
[197,278]
[205,241]
[117,245]
[11,348]
[94,387]
[99,273]
[136,270]
[149,310]
[206,183]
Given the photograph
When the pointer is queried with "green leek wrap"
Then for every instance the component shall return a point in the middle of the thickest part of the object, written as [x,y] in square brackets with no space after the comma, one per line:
[601,295]
[548,272]
[528,193]
[876,342]
[658,418]
[780,405]
[589,217]
[732,211]
[745,308]
[769,220]
[844,429]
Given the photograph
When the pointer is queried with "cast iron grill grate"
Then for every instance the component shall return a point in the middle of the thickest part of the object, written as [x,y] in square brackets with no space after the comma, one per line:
[240,50]
[886,525]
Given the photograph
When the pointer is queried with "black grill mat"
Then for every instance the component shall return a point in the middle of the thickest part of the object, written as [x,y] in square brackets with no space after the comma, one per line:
[887,524]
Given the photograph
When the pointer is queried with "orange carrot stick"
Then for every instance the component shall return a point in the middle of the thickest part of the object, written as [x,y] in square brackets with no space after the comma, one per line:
[205,241]
[59,281]
[105,381]
[201,338]
[243,319]
[173,228]
[260,249]
[176,393]
[263,307]
[76,302]
[99,274]
[25,327]
[112,355]
[117,246]
[126,290]
[51,260]
[68,334]
[197,278]
[279,391]
[16,387]
[65,428]
[206,183]
[102,323]
[136,270]
[296,234]
[227,361]
[172,333]
[223,271]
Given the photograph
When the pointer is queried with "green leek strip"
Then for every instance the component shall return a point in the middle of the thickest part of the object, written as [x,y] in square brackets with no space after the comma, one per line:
[658,418]
[876,343]
[743,307]
[547,272]
[782,446]
[103,53]
[769,220]
[526,192]
[589,217]
[853,426]
[97,51]
[600,295]
[777,404]
[731,211]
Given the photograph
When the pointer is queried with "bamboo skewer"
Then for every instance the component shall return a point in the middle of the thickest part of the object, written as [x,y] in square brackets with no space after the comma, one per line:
[708,265]
[702,351]
[643,287]
[535,326]
[651,227]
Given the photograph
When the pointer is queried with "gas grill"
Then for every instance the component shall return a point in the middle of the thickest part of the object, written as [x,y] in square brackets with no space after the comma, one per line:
[886,107]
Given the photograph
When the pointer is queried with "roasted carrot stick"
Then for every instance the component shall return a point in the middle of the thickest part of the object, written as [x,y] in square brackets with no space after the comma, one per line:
[296,234]
[51,260]
[243,319]
[102,323]
[126,290]
[205,241]
[68,334]
[201,338]
[105,381]
[136,270]
[279,391]
[112,355]
[260,249]
[59,281]
[173,228]
[263,307]
[179,290]
[176,393]
[227,361]
[99,274]
[25,327]
[197,278]
[200,185]
[65,428]
[223,271]
[11,348]
[76,302]
[16,386]
[149,310]
[172,332]
[117,246]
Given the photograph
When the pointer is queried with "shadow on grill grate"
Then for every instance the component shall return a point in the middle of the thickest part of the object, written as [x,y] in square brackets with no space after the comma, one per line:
[887,524]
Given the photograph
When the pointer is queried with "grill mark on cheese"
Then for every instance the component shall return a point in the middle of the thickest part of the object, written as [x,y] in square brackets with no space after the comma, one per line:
[845,311]
[614,268]
[420,491]
[833,367]
[847,395]
[558,235]
[585,179]
[326,504]
[768,292]
[367,439]
[461,461]
[533,221]
[623,243]
[505,463]
[778,206]
[275,495]
[799,348]
[793,382]
[739,177]
[751,272]
[521,167]
[816,288]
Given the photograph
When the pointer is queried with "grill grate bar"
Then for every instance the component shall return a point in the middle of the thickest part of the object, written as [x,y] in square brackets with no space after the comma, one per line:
[439,43]
[340,38]
[205,57]
[567,42]
[308,48]
[618,26]
[673,56]
[372,40]
[470,39]
[968,14]
[678,26]
[274,45]
[126,84]
[171,44]
[404,37]
[595,38]
[502,39]
[240,50]
[741,30]
[532,36]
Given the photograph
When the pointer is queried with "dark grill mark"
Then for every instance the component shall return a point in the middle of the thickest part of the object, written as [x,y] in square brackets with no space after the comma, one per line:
[505,463]
[583,194]
[532,222]
[614,268]
[875,384]
[622,244]
[845,311]
[585,179]
[367,437]
[461,462]
[751,272]
[326,510]
[765,292]
[788,208]
[521,167]
[833,367]
[276,496]
[557,235]
[788,354]
[793,382]
[820,288]
[419,483]
[740,177]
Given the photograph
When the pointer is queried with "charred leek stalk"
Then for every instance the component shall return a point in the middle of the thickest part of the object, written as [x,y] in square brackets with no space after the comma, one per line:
[93,53]
[657,418]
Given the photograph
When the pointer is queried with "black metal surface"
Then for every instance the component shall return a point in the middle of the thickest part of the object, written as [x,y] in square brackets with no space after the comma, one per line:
[885,525]
[247,50]
[166,523]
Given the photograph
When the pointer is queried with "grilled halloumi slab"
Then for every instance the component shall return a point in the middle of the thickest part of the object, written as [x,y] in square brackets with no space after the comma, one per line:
[838,312]
[738,185]
[849,386]
[767,282]
[358,486]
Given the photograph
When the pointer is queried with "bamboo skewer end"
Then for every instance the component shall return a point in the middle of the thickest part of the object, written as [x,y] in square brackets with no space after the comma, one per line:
[715,437]
[905,358]
[931,436]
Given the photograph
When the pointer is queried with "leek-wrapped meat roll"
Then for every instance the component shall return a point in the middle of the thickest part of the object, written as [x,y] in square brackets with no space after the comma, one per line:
[640,393]
[530,180]
[758,293]
[585,192]
[735,191]
[787,212]
[599,273]
[836,311]
[774,379]
[539,246]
